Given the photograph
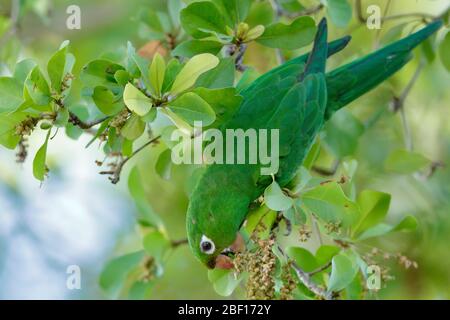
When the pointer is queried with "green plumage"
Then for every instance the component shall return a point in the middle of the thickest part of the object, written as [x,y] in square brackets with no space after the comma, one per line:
[297,98]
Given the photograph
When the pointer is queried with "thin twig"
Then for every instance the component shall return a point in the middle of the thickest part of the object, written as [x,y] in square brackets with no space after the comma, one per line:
[319,270]
[178,243]
[305,278]
[399,105]
[325,171]
[240,58]
[116,173]
[73,119]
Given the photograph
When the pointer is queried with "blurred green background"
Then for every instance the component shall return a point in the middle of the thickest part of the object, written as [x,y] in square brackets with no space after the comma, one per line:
[71,219]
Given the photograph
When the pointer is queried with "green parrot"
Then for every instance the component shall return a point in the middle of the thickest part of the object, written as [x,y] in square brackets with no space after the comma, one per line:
[296,98]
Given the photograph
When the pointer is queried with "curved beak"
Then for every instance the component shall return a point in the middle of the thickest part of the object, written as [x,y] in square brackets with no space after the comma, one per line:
[223,260]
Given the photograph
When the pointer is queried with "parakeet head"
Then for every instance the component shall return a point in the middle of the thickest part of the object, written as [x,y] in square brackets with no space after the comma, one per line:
[216,212]
[213,230]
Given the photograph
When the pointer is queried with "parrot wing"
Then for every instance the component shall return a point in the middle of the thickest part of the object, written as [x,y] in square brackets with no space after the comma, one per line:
[300,114]
[293,67]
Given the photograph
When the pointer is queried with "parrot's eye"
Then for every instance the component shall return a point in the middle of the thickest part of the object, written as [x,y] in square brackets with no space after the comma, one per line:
[207,245]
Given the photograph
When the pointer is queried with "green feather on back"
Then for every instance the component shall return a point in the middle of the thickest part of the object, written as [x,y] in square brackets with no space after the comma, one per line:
[296,98]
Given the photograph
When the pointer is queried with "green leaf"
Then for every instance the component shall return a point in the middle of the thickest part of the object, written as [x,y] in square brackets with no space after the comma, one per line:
[235,11]
[200,18]
[247,78]
[74,132]
[298,34]
[142,289]
[296,215]
[291,5]
[393,34]
[275,199]
[224,281]
[312,155]
[261,216]
[261,13]
[444,51]
[136,100]
[329,203]
[180,123]
[106,102]
[342,133]
[163,165]
[101,130]
[409,223]
[343,271]
[8,123]
[255,33]
[225,103]
[326,253]
[11,92]
[113,276]
[122,77]
[157,73]
[156,245]
[39,162]
[193,69]
[59,65]
[374,207]
[428,49]
[190,48]
[137,66]
[340,12]
[146,215]
[406,162]
[173,68]
[127,148]
[62,117]
[221,76]
[37,87]
[133,128]
[101,73]
[303,258]
[22,69]
[301,180]
[191,108]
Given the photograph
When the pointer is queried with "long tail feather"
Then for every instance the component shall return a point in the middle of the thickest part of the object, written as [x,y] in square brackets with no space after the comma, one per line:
[351,81]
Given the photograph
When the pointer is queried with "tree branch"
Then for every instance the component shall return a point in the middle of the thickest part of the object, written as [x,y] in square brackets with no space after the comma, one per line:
[319,270]
[73,119]
[399,106]
[325,171]
[305,278]
[116,173]
[237,50]
[178,243]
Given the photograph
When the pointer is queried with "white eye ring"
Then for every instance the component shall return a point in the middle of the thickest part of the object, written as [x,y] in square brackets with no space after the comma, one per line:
[207,245]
